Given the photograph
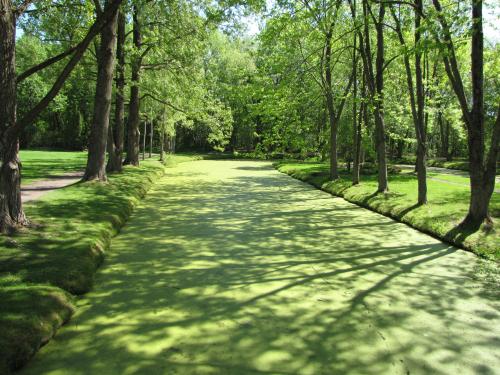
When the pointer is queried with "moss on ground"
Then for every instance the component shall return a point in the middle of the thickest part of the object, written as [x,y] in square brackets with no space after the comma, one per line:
[448,204]
[41,268]
[29,317]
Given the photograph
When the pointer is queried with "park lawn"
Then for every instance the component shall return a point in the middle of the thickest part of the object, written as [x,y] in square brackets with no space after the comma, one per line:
[39,165]
[449,177]
[42,268]
[448,204]
[461,164]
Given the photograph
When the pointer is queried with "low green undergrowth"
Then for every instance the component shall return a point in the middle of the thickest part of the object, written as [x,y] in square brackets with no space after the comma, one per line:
[448,204]
[42,267]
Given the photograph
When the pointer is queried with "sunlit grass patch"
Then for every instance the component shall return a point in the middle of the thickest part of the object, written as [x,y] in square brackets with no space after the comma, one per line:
[38,165]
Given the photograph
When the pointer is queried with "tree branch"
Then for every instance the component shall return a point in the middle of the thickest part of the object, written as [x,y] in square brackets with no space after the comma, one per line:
[34,69]
[148,95]
[80,49]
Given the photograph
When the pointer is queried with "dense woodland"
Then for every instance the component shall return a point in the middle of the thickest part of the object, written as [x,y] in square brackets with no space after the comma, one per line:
[352,82]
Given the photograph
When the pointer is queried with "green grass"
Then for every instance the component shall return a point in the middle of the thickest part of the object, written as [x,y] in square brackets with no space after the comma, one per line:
[461,164]
[40,267]
[38,165]
[448,204]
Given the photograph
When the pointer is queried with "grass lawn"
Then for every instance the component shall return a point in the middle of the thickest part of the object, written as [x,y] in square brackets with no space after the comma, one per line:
[39,165]
[447,205]
[41,268]
[461,164]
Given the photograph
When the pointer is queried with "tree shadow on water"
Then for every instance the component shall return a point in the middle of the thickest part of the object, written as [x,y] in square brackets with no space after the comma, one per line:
[247,271]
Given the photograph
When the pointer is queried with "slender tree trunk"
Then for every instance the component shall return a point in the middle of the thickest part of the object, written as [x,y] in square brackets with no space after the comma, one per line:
[375,83]
[448,154]
[383,185]
[417,101]
[482,175]
[355,128]
[11,209]
[116,133]
[359,132]
[96,161]
[420,123]
[162,141]
[330,106]
[444,146]
[134,105]
[151,139]
[144,140]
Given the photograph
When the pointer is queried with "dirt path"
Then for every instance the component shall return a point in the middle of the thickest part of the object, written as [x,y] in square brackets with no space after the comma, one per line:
[37,189]
[229,267]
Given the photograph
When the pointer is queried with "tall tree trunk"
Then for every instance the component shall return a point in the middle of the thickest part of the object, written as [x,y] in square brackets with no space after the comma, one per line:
[116,133]
[151,139]
[134,105]
[96,161]
[162,144]
[358,149]
[375,84]
[144,140]
[173,140]
[482,178]
[356,130]
[420,123]
[417,100]
[334,173]
[443,137]
[482,167]
[383,185]
[448,154]
[11,209]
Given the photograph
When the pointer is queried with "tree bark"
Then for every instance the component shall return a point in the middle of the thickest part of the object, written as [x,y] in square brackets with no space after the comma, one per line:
[356,130]
[151,139]
[334,174]
[162,144]
[482,177]
[11,210]
[380,142]
[96,160]
[134,105]
[359,135]
[482,168]
[420,123]
[144,140]
[375,84]
[417,100]
[115,140]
